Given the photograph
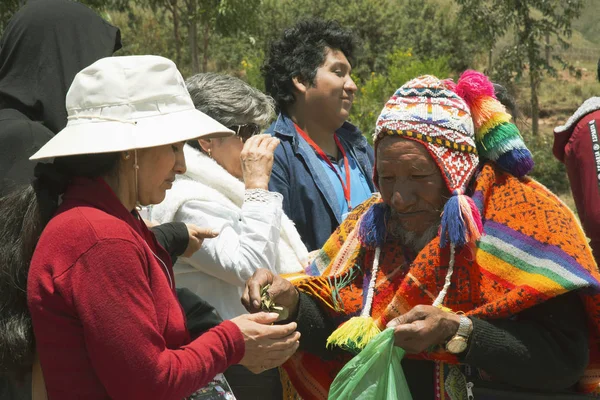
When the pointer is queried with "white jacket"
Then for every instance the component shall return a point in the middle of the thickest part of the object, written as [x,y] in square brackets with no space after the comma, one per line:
[254,233]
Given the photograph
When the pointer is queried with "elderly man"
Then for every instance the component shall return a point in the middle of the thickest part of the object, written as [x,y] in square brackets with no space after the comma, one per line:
[477,268]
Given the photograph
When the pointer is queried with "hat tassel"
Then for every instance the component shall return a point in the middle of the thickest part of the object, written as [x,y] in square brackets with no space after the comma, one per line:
[373,226]
[461,221]
[357,332]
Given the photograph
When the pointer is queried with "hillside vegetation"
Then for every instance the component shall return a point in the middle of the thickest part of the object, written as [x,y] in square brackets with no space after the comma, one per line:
[400,40]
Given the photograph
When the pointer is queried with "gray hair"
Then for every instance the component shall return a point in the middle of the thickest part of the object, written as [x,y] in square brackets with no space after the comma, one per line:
[230,100]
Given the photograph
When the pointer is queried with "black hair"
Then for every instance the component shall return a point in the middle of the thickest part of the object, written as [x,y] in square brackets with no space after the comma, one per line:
[507,100]
[25,213]
[598,70]
[299,53]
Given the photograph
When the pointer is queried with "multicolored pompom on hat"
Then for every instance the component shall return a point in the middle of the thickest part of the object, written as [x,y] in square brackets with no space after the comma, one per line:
[460,124]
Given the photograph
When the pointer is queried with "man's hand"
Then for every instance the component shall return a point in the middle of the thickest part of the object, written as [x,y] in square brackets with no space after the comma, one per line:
[281,291]
[423,327]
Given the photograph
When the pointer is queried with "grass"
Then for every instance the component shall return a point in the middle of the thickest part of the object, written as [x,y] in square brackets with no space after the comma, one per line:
[587,23]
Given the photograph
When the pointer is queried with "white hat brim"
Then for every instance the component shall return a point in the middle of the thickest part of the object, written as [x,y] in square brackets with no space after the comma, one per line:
[93,136]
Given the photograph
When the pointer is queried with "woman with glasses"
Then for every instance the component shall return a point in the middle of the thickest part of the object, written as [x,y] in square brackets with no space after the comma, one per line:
[226,188]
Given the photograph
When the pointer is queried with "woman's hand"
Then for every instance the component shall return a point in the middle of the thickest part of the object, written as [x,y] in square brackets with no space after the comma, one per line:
[196,238]
[423,327]
[257,161]
[281,291]
[267,346]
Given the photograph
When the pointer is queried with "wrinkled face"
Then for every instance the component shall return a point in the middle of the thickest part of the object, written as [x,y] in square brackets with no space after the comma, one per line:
[226,152]
[157,169]
[412,185]
[332,93]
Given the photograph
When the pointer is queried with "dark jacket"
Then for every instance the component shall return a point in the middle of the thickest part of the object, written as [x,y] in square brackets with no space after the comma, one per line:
[173,237]
[20,137]
[309,198]
[522,357]
[577,145]
[45,44]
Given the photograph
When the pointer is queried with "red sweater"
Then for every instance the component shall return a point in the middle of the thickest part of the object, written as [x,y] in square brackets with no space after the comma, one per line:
[579,149]
[105,315]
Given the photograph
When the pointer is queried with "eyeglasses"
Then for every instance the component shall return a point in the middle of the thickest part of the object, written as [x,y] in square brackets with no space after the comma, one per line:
[245,131]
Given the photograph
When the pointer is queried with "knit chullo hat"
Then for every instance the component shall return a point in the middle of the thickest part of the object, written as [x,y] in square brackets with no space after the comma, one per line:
[460,124]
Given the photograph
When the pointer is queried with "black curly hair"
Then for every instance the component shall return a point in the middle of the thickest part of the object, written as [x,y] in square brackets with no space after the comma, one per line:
[299,53]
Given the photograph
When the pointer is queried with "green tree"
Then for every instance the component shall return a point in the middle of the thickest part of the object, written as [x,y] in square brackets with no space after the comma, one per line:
[533,23]
[431,29]
[377,24]
[172,7]
[207,18]
[144,32]
[382,27]
[434,29]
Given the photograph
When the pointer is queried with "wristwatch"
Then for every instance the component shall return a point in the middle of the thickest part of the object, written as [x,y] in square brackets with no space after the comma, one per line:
[458,343]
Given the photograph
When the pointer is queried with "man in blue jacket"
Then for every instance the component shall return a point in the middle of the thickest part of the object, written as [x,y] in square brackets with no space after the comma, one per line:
[323,164]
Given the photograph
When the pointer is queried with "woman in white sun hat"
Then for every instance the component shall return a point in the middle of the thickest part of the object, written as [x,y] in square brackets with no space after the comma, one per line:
[101,290]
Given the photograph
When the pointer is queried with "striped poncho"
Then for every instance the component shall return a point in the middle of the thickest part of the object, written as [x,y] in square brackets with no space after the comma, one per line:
[532,250]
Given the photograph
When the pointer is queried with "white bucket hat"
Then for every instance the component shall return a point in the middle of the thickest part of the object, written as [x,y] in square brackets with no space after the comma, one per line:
[126,103]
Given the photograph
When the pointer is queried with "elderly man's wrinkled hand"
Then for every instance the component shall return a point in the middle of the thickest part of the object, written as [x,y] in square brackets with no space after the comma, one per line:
[424,327]
[267,346]
[280,291]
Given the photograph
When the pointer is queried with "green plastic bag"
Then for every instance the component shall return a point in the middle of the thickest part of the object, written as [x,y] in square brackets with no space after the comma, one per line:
[374,374]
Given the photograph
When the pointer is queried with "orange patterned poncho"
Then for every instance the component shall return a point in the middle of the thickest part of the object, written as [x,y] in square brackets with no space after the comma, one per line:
[532,250]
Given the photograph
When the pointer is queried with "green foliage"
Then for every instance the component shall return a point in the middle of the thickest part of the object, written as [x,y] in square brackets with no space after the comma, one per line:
[533,23]
[200,23]
[143,32]
[7,9]
[587,24]
[445,37]
[377,88]
[382,27]
[548,170]
[377,24]
[250,67]
[434,31]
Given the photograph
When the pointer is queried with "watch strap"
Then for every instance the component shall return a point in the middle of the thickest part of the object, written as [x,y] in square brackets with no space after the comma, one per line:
[465,327]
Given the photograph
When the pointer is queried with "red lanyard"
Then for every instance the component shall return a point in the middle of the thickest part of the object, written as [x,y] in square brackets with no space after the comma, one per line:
[321,153]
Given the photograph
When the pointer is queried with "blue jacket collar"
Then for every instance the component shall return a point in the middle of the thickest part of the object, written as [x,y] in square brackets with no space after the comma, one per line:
[350,136]
[284,126]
